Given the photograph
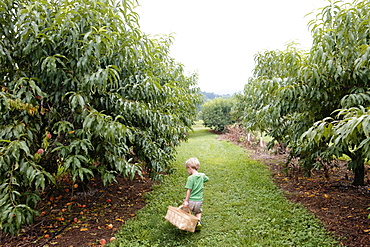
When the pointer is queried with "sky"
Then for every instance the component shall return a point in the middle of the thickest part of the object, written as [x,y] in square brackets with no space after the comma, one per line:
[218,39]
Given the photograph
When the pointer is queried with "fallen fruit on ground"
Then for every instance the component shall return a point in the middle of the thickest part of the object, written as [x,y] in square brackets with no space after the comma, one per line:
[103,241]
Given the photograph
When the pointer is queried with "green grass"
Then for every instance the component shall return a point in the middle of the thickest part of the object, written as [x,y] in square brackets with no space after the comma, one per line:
[242,206]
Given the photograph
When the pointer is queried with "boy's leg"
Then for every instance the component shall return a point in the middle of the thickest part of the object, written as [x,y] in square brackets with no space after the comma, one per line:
[199,224]
[199,216]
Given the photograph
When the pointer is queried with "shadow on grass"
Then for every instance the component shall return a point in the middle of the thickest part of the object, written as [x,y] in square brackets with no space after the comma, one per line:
[160,234]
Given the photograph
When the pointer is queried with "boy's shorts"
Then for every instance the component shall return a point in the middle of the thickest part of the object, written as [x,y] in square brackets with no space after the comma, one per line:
[195,206]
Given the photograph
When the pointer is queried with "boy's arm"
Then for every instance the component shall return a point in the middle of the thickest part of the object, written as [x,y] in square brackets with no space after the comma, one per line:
[186,200]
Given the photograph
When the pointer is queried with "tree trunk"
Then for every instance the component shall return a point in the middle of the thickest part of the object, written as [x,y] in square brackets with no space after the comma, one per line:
[359,172]
[49,162]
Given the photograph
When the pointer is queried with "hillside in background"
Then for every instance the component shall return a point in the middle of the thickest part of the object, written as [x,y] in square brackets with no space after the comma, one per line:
[211,96]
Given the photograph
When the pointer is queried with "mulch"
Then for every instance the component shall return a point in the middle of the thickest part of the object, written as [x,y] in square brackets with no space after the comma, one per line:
[83,217]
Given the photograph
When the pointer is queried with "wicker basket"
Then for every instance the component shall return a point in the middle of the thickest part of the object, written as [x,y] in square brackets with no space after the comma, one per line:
[181,219]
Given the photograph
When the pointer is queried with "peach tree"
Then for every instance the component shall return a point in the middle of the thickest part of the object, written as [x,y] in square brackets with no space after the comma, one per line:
[83,90]
[340,66]
[216,113]
[265,105]
[317,102]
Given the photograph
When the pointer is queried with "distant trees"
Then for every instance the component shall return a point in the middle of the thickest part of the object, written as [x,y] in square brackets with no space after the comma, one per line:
[84,92]
[216,113]
[211,96]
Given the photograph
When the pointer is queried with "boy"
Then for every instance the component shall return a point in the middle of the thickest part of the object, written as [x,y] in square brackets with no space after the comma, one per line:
[194,188]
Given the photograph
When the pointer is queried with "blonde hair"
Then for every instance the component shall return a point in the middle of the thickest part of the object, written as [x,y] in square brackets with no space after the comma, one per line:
[193,163]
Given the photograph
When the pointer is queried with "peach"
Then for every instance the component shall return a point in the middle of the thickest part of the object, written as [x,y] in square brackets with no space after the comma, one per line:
[103,241]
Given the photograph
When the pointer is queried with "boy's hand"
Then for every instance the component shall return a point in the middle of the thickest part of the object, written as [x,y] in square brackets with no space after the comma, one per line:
[185,204]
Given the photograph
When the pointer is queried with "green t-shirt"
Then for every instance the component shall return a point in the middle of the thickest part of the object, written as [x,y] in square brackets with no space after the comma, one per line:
[196,182]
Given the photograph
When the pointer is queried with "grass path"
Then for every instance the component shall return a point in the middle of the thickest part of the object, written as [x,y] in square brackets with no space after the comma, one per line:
[242,206]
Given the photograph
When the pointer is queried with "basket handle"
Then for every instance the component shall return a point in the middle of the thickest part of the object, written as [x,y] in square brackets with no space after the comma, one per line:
[183,208]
